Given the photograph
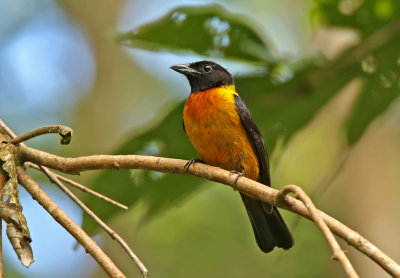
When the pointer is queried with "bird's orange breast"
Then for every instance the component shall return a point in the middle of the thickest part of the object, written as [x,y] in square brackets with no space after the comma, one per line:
[215,130]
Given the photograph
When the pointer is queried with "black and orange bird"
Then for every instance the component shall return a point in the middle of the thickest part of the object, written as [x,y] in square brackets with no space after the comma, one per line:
[225,135]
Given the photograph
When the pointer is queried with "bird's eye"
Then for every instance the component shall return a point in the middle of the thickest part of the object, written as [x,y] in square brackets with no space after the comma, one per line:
[207,68]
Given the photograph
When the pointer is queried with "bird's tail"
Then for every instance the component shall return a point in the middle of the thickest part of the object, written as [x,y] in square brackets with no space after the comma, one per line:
[269,228]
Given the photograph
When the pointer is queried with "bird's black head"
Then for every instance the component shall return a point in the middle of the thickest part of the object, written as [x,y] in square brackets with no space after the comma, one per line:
[204,75]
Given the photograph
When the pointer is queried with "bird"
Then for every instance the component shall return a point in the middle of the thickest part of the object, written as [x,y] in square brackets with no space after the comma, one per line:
[224,134]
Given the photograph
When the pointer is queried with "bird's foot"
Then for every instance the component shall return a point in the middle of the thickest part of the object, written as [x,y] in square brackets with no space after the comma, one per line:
[192,162]
[239,174]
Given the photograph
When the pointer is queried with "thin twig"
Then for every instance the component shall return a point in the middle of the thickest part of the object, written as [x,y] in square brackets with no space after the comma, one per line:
[103,225]
[338,253]
[64,132]
[61,217]
[81,187]
[246,186]
[6,129]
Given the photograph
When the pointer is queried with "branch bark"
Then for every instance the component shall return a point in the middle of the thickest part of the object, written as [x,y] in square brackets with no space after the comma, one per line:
[81,187]
[244,185]
[74,229]
[53,178]
[338,253]
[64,132]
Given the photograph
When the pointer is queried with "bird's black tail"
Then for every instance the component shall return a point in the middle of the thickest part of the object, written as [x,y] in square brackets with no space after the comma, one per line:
[269,228]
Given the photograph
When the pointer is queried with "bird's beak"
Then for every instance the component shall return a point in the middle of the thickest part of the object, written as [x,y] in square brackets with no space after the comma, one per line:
[185,69]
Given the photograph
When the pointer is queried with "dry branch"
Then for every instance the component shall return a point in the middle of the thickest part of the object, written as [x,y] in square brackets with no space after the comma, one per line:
[74,229]
[45,201]
[244,185]
[338,253]
[81,187]
[64,132]
[103,225]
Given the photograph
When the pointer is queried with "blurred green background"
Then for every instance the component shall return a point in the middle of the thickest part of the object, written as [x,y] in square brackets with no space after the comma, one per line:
[322,79]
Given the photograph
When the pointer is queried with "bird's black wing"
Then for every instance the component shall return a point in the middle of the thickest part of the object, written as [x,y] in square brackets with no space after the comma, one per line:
[269,228]
[254,135]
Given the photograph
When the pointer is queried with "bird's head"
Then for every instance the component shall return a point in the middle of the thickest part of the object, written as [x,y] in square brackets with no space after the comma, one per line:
[204,75]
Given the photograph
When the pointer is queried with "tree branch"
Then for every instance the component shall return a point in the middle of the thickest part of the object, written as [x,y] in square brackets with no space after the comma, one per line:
[81,187]
[103,225]
[64,132]
[61,217]
[338,253]
[246,186]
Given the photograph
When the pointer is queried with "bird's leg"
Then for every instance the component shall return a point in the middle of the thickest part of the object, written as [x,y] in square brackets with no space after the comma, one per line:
[239,174]
[192,162]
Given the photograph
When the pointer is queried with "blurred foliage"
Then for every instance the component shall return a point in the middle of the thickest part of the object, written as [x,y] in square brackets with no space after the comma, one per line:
[291,93]
[378,22]
[208,30]
[365,16]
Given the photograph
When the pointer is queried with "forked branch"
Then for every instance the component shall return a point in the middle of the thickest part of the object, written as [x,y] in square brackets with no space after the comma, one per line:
[64,132]
[61,217]
[246,186]
[80,187]
[338,253]
[103,225]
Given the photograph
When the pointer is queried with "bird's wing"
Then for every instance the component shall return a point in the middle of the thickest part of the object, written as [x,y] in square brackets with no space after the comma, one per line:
[254,135]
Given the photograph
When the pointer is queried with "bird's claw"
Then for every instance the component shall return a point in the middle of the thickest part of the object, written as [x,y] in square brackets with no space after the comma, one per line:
[192,162]
[239,174]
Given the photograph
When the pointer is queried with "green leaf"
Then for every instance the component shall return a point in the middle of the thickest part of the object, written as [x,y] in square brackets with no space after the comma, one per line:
[282,109]
[207,30]
[366,16]
[158,191]
[382,86]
